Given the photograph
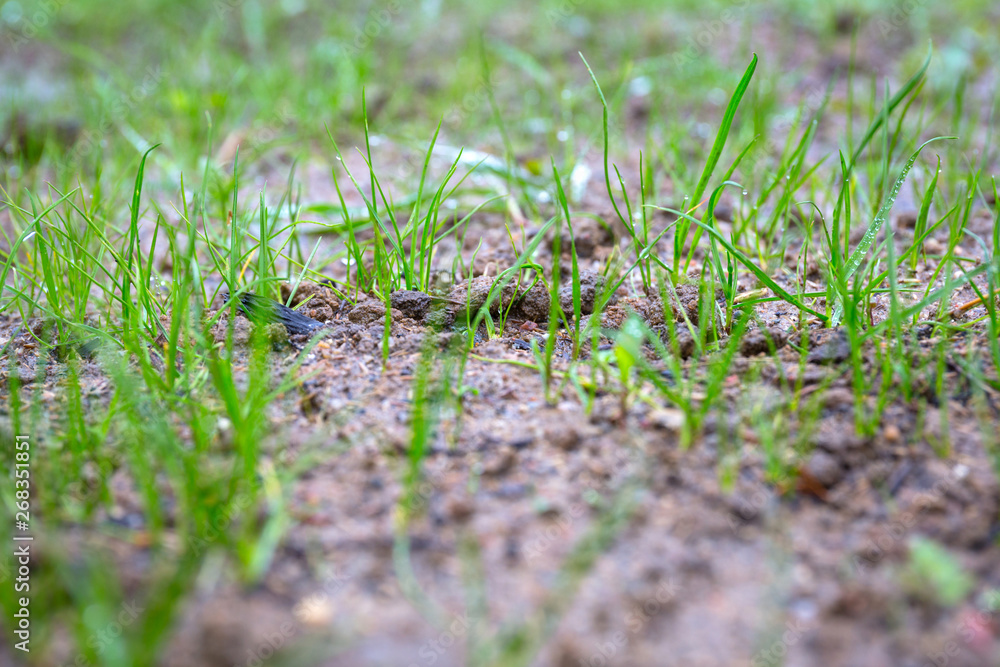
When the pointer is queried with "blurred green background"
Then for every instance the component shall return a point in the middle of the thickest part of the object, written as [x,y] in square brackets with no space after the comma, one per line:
[281,72]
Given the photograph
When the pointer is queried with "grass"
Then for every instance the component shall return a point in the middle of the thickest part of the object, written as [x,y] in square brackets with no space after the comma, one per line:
[121,250]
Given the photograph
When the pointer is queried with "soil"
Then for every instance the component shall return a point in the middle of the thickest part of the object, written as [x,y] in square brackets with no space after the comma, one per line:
[699,574]
[710,563]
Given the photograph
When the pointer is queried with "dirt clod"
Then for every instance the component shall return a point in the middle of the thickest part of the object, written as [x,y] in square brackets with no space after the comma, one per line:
[591,286]
[499,462]
[682,343]
[277,334]
[471,295]
[686,303]
[906,220]
[825,468]
[367,312]
[413,304]
[565,437]
[762,342]
[459,508]
[589,234]
[320,301]
[833,350]
[533,304]
[242,329]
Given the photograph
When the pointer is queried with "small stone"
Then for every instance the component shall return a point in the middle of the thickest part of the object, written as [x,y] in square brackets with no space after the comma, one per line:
[316,611]
[614,317]
[588,235]
[598,468]
[837,441]
[459,508]
[499,462]
[724,212]
[826,469]
[688,298]
[906,220]
[891,434]
[668,419]
[241,330]
[565,437]
[25,377]
[512,490]
[651,311]
[933,247]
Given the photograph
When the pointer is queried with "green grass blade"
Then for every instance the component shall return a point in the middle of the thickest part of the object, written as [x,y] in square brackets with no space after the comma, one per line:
[745,261]
[723,134]
[891,105]
[854,261]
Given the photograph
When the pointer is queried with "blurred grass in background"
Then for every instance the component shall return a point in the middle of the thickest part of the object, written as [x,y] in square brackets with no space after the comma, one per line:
[281,71]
